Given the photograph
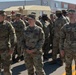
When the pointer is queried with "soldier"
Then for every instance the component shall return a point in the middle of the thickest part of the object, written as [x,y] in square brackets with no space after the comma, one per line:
[59,22]
[51,26]
[46,29]
[7,43]
[19,26]
[33,41]
[65,14]
[68,42]
[25,19]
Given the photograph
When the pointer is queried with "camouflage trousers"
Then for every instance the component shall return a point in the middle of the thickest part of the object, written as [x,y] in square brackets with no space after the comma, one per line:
[69,56]
[19,49]
[34,60]
[55,48]
[5,63]
[46,46]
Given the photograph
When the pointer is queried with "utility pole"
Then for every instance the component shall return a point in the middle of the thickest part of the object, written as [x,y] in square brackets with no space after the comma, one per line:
[41,2]
[41,5]
[24,4]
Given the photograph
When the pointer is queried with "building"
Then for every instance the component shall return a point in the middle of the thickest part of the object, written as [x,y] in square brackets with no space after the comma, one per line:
[64,5]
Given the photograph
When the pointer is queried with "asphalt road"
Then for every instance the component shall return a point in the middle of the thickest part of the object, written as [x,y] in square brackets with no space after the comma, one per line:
[20,69]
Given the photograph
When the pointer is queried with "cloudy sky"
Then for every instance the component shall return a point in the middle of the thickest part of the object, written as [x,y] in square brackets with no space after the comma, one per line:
[12,0]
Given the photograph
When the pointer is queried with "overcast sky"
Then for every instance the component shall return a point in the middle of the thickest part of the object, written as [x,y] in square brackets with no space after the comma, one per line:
[12,0]
[69,1]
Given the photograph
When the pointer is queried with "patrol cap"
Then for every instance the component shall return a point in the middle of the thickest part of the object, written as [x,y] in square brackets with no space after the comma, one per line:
[44,15]
[58,11]
[18,14]
[2,13]
[51,14]
[8,16]
[64,11]
[31,16]
[33,13]
[71,11]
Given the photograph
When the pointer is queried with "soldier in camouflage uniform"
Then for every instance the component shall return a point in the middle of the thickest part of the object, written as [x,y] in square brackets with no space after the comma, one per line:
[33,41]
[65,14]
[7,43]
[59,22]
[46,29]
[51,26]
[68,42]
[25,19]
[19,26]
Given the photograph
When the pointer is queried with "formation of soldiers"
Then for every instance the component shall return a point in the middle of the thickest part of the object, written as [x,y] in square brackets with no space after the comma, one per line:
[33,39]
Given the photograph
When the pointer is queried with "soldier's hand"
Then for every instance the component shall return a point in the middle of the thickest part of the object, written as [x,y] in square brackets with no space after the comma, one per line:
[62,53]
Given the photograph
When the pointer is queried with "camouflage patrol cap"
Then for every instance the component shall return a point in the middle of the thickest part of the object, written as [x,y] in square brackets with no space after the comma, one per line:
[64,11]
[2,13]
[58,11]
[71,11]
[33,13]
[44,15]
[8,16]
[18,14]
[31,16]
[51,14]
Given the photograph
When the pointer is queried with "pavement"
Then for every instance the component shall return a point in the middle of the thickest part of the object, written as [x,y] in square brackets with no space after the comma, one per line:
[19,68]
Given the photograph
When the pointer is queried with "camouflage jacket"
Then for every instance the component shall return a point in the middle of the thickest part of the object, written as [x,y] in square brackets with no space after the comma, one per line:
[33,38]
[68,37]
[19,28]
[7,36]
[59,22]
[46,28]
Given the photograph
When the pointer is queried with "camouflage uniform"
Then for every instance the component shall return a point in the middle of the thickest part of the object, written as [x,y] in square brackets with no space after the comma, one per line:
[38,23]
[59,22]
[7,42]
[33,40]
[51,27]
[67,19]
[68,45]
[19,28]
[46,46]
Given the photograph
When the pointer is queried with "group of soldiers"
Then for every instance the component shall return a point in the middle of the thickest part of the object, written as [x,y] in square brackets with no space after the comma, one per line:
[33,39]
